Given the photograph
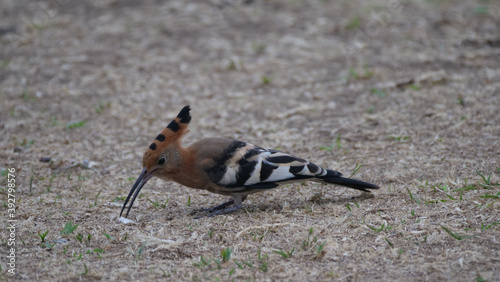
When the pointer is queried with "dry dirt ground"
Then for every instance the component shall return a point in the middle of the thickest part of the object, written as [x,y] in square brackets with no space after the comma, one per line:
[405,94]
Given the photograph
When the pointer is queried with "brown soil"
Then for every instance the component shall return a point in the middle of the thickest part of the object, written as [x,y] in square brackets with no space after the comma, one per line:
[408,89]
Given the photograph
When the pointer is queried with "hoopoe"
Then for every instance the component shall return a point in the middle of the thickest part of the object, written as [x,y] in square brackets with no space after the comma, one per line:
[228,167]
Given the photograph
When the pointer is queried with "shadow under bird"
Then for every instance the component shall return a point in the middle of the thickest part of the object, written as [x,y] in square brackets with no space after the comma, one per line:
[228,167]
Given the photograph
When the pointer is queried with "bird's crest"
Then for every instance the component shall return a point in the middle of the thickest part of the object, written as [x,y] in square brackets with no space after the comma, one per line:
[171,134]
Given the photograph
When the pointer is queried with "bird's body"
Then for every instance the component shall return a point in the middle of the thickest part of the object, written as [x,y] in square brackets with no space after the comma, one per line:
[228,167]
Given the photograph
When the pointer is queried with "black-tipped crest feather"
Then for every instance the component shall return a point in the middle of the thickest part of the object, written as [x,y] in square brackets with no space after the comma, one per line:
[184,115]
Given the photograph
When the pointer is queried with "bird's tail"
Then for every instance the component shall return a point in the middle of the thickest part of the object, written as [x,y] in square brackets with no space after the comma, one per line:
[335,177]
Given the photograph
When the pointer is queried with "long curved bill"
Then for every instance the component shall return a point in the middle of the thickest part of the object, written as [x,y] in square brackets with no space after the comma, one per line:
[141,181]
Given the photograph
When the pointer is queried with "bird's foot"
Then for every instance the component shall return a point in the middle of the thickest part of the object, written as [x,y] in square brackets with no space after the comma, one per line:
[214,209]
[224,211]
[227,207]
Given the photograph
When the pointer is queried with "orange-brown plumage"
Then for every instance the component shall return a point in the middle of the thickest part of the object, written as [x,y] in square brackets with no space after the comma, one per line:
[227,167]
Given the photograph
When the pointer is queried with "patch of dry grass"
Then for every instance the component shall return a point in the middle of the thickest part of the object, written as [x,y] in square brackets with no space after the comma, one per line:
[409,91]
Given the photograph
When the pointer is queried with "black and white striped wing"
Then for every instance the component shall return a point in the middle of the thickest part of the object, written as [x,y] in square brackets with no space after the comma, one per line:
[246,166]
[274,168]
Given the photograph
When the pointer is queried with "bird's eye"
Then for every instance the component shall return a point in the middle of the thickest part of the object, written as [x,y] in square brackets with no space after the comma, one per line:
[161,161]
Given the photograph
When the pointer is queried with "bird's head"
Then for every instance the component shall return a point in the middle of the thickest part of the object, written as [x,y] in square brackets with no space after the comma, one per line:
[163,155]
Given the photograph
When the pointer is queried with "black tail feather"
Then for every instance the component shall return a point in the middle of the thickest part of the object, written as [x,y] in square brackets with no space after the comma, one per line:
[336,178]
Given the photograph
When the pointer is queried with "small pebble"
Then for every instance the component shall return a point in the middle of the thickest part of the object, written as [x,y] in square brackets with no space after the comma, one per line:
[17,149]
[125,220]
[45,159]
[61,241]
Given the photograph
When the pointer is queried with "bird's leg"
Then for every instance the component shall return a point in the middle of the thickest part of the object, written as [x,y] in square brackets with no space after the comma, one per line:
[225,207]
